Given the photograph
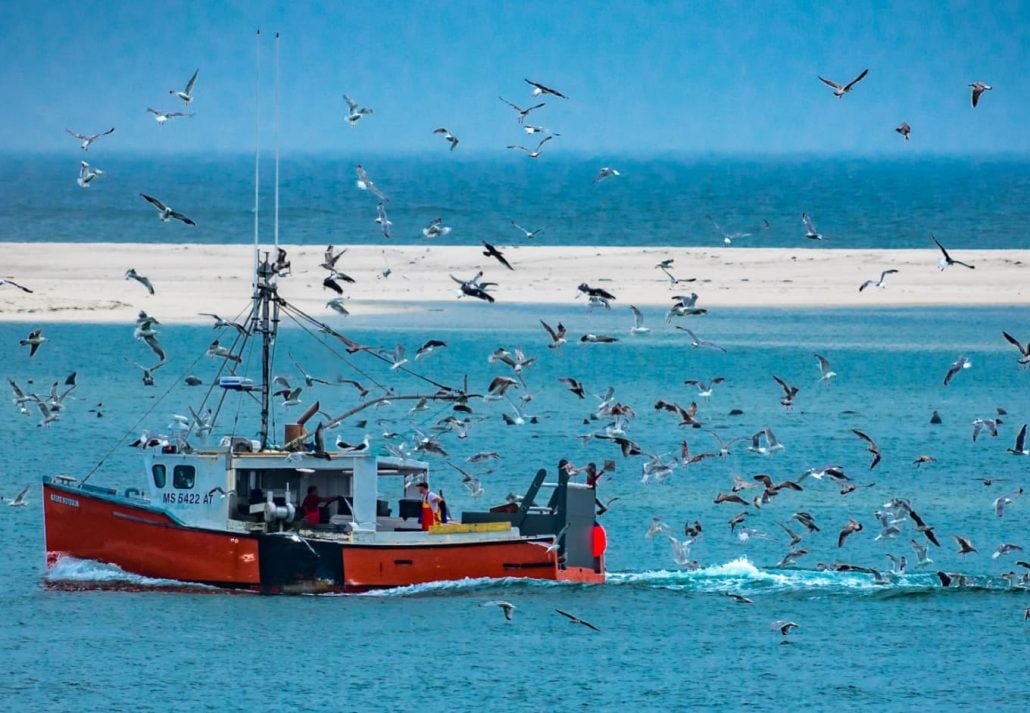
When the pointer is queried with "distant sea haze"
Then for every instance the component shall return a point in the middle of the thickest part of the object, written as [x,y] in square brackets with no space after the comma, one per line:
[853,202]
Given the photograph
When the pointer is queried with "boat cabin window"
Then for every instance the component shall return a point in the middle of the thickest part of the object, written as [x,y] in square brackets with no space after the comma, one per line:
[159,475]
[183,476]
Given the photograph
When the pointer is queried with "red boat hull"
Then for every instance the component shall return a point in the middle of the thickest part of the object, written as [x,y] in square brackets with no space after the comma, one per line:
[147,541]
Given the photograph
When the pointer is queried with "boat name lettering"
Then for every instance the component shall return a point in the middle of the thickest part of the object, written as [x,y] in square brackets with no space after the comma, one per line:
[182,498]
[71,502]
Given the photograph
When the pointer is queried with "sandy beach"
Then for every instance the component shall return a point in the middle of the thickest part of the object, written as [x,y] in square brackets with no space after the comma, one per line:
[85,282]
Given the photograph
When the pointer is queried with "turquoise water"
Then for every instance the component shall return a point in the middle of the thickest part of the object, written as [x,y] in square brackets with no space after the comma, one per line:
[670,639]
[854,202]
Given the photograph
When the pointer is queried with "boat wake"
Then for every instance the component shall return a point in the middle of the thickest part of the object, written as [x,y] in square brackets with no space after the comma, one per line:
[741,576]
[72,574]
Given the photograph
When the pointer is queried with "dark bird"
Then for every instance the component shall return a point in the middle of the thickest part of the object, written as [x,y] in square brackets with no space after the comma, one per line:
[1020,449]
[451,138]
[686,415]
[732,498]
[789,392]
[904,129]
[491,251]
[838,90]
[964,545]
[165,213]
[429,347]
[574,386]
[539,89]
[946,261]
[589,291]
[573,619]
[873,448]
[738,598]
[978,89]
[849,528]
[783,626]
[598,338]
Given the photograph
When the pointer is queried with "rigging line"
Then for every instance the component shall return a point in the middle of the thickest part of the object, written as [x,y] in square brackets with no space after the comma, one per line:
[383,359]
[257,151]
[367,376]
[131,429]
[275,222]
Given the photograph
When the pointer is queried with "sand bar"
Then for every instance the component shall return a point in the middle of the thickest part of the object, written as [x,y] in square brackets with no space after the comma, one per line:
[80,282]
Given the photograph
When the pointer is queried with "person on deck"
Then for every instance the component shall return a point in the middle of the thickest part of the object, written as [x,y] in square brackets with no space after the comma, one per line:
[312,505]
[430,506]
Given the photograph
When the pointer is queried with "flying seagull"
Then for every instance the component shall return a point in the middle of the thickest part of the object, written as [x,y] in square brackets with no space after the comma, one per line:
[1019,449]
[355,112]
[946,261]
[826,373]
[12,283]
[365,184]
[535,153]
[873,448]
[904,129]
[522,112]
[527,233]
[87,174]
[131,274]
[539,89]
[700,343]
[166,213]
[605,172]
[783,626]
[87,140]
[506,607]
[33,341]
[435,229]
[573,619]
[956,366]
[382,220]
[187,95]
[451,138]
[810,232]
[881,283]
[978,89]
[162,117]
[1024,352]
[838,90]
[557,335]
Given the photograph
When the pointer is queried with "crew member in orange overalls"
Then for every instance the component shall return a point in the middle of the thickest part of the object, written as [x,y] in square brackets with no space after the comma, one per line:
[430,506]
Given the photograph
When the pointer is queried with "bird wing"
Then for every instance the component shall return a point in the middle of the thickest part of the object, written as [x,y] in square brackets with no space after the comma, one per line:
[824,365]
[856,80]
[351,104]
[947,257]
[808,223]
[638,316]
[182,217]
[193,80]
[551,332]
[828,83]
[154,202]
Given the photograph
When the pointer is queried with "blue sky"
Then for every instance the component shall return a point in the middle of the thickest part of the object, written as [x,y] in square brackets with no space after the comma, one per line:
[642,77]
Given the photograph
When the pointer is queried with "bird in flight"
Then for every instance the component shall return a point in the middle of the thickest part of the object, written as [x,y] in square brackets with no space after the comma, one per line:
[1024,352]
[535,153]
[838,90]
[881,283]
[506,607]
[448,136]
[956,366]
[904,129]
[355,112]
[523,112]
[978,89]
[539,89]
[946,261]
[873,448]
[87,174]
[187,94]
[365,183]
[12,283]
[573,619]
[811,233]
[166,213]
[605,172]
[33,341]
[87,140]
[527,233]
[491,251]
[131,274]
[162,117]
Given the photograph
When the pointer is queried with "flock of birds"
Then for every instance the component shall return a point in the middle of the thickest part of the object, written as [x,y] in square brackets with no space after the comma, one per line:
[892,520]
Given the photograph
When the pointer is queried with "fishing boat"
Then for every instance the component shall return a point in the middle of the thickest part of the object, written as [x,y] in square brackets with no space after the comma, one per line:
[229,514]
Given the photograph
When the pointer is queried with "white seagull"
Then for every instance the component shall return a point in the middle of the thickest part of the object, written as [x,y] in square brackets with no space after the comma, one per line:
[355,112]
[810,232]
[838,90]
[87,174]
[163,116]
[881,283]
[448,136]
[187,94]
[166,213]
[87,140]
[535,153]
[606,172]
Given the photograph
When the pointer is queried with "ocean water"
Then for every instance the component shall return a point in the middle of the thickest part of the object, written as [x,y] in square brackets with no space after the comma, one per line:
[87,637]
[854,202]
